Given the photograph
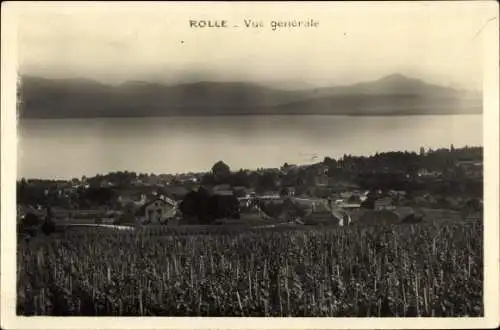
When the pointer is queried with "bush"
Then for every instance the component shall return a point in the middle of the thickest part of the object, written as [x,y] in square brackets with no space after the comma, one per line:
[207,208]
[48,227]
[126,218]
[29,224]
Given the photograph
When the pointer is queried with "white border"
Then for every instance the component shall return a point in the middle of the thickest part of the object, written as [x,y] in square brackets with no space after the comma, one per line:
[9,320]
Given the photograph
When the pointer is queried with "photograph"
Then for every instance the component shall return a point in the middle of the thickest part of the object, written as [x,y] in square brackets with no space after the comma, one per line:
[273,161]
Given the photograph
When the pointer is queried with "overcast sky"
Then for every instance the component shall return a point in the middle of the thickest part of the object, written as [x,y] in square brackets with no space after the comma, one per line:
[353,42]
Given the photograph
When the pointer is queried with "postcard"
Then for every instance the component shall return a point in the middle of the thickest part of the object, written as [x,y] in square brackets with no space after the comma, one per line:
[240,165]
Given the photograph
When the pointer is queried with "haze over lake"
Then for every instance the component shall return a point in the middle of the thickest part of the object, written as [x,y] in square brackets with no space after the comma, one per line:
[66,148]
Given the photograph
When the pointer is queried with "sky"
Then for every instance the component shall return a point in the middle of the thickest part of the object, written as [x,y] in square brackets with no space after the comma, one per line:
[114,42]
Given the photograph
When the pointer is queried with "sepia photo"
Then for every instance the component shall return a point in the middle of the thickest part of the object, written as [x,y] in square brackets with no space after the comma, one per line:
[250,165]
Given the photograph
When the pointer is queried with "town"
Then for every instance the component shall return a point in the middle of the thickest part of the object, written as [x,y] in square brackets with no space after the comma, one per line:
[393,186]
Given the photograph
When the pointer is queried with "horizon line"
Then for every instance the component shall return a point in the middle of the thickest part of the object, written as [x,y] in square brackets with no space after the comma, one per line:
[265,84]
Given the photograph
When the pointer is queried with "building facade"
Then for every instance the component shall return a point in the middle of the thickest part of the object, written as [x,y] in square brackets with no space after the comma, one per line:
[157,211]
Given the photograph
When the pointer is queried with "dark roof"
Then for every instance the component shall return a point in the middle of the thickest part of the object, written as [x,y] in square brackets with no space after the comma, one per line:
[176,191]
[221,187]
[224,192]
[320,208]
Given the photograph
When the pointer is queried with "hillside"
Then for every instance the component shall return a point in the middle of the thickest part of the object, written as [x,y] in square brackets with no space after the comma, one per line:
[391,95]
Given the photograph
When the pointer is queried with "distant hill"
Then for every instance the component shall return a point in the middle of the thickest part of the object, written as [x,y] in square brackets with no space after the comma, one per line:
[391,95]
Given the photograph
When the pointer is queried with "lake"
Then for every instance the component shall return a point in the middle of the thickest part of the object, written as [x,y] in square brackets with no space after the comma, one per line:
[66,148]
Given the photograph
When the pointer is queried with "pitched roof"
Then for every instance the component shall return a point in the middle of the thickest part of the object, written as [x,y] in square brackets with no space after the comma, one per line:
[384,201]
[176,192]
[224,192]
[221,187]
[142,210]
[320,208]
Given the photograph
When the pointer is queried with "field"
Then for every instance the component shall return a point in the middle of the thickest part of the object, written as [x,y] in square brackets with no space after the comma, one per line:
[429,269]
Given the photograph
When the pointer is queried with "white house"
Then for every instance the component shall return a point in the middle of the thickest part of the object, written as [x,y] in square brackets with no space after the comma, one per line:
[157,211]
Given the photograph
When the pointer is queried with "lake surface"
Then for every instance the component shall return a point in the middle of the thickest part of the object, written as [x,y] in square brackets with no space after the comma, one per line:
[66,148]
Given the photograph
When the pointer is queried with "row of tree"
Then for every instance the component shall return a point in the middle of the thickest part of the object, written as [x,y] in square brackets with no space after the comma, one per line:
[32,194]
[407,162]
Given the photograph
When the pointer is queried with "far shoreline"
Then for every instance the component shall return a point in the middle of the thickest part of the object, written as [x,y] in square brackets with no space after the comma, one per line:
[21,118]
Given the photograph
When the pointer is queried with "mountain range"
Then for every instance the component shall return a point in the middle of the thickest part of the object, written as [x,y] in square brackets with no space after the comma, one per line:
[395,94]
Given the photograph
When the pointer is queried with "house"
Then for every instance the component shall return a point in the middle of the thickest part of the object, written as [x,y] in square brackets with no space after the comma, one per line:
[346,195]
[466,164]
[240,191]
[354,199]
[397,194]
[156,211]
[245,202]
[423,172]
[350,206]
[323,170]
[223,192]
[166,178]
[385,203]
[305,202]
[131,197]
[323,214]
[106,184]
[186,178]
[473,169]
[288,191]
[221,187]
[176,193]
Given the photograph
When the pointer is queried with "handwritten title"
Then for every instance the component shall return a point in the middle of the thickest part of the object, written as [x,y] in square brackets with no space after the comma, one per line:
[253,24]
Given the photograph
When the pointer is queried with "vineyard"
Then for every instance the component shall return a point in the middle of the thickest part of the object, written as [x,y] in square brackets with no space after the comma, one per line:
[430,269]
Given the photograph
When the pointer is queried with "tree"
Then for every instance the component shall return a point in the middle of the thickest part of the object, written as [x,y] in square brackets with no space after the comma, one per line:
[127,217]
[267,181]
[271,208]
[29,224]
[221,169]
[30,220]
[207,207]
[240,178]
[294,210]
[199,204]
[48,227]
[329,161]
[99,196]
[189,204]
[208,179]
[226,207]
